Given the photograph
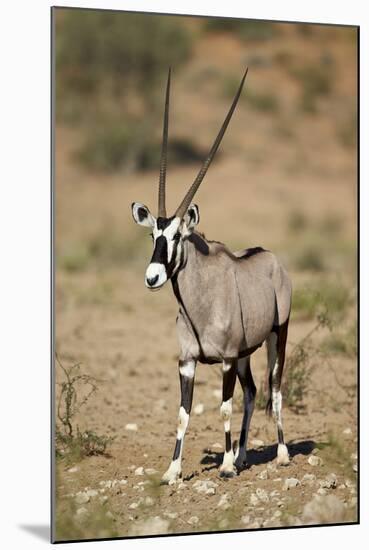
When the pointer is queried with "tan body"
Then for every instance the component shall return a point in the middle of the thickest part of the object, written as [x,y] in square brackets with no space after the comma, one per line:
[229,303]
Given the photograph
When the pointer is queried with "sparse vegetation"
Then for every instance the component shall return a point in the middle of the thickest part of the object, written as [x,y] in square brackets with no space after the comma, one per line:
[316,81]
[244,29]
[343,342]
[310,259]
[310,301]
[75,391]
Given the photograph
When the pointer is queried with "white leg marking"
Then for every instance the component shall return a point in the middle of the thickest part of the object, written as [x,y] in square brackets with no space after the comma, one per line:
[228,457]
[188,369]
[175,468]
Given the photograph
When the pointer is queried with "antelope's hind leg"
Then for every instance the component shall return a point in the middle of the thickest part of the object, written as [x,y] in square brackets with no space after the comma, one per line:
[187,378]
[276,347]
[227,468]
[249,391]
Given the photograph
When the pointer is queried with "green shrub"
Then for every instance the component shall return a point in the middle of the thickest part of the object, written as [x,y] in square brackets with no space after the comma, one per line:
[310,259]
[316,81]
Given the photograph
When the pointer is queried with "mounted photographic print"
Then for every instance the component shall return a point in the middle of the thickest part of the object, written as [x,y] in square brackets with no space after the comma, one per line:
[205,274]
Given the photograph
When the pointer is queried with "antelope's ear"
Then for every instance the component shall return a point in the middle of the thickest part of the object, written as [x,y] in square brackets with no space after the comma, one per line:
[142,215]
[192,216]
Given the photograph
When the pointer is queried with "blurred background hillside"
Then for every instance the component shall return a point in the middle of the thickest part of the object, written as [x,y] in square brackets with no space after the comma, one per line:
[285,178]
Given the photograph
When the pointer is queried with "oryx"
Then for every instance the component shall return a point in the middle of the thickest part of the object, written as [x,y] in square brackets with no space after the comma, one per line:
[229,304]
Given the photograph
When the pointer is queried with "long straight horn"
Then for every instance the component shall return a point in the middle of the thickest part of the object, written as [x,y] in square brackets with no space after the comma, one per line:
[163,161]
[182,209]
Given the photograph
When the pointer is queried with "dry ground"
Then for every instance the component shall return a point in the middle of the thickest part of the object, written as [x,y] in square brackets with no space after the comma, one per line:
[125,336]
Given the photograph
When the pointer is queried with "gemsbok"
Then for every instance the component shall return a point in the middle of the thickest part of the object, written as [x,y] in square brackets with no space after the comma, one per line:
[229,305]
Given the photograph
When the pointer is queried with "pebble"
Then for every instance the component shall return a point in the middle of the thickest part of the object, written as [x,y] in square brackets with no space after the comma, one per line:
[254,501]
[354,467]
[171,515]
[149,501]
[82,498]
[131,427]
[199,408]
[277,514]
[217,394]
[208,487]
[263,475]
[245,520]
[314,460]
[330,482]
[103,499]
[133,506]
[92,493]
[150,526]
[321,491]
[223,502]
[353,456]
[139,471]
[217,446]
[73,469]
[347,431]
[150,471]
[257,443]
[262,495]
[290,482]
[308,478]
[193,520]
[223,524]
[82,513]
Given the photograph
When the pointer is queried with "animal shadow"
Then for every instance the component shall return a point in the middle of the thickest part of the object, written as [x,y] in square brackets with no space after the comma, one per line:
[266,454]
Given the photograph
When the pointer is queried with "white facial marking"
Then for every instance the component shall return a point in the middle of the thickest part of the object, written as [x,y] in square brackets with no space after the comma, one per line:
[188,369]
[169,233]
[153,270]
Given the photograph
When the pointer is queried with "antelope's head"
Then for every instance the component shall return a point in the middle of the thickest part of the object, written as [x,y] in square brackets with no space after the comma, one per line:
[169,233]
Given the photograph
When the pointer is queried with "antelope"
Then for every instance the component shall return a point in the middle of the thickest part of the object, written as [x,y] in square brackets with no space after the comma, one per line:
[229,305]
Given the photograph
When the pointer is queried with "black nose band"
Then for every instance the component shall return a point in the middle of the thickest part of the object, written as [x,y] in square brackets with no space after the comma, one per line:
[160,255]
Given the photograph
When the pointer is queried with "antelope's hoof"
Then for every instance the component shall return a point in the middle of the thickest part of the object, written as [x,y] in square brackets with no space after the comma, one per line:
[170,479]
[283,458]
[227,474]
[240,464]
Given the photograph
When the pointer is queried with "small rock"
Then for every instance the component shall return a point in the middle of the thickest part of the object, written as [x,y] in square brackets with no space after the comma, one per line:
[82,513]
[347,431]
[133,506]
[149,501]
[103,499]
[82,498]
[354,467]
[139,471]
[323,509]
[330,482]
[321,491]
[171,515]
[73,470]
[353,456]
[151,526]
[223,502]
[208,487]
[199,409]
[263,475]
[223,524]
[92,493]
[257,443]
[308,479]
[217,394]
[262,495]
[217,446]
[349,483]
[274,493]
[342,486]
[277,514]
[254,501]
[314,460]
[245,520]
[150,471]
[109,515]
[193,520]
[290,482]
[131,427]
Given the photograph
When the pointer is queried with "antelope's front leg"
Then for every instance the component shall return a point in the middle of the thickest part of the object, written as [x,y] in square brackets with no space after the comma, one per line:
[187,378]
[229,379]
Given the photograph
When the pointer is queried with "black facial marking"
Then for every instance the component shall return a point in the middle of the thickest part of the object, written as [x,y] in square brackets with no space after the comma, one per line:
[162,223]
[160,254]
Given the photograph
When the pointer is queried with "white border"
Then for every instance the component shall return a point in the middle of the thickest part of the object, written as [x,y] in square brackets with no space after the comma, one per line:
[25,238]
